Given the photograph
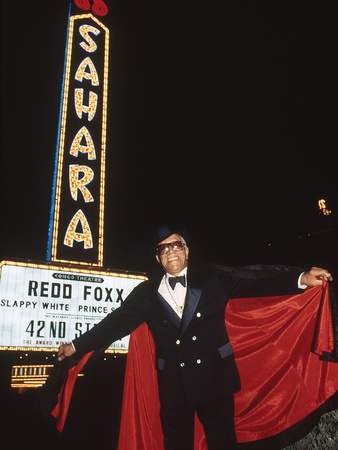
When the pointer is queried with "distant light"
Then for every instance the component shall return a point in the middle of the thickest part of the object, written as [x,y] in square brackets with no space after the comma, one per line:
[322,208]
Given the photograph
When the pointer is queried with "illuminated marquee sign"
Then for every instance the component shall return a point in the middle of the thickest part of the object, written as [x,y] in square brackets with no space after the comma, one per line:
[77,234]
[42,306]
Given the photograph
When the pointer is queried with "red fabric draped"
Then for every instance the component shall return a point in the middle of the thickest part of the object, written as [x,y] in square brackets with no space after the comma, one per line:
[61,409]
[282,379]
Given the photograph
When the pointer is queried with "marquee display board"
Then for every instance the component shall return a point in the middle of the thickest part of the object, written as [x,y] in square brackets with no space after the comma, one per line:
[43,307]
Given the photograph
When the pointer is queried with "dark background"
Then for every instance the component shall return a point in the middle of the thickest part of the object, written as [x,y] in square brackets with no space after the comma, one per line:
[222,117]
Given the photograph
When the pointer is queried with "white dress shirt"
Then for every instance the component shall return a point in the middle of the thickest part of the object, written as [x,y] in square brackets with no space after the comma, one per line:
[174,297]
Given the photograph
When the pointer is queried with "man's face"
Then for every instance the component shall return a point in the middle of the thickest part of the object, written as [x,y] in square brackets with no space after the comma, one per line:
[173,261]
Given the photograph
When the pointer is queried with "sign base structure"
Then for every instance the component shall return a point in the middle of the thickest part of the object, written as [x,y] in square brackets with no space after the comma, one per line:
[43,306]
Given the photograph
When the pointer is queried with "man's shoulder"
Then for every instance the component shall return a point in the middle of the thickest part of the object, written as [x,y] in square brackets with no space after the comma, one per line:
[201,275]
[152,282]
[255,271]
[142,291]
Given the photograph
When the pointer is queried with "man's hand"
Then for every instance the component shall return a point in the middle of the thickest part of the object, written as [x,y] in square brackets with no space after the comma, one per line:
[65,351]
[315,277]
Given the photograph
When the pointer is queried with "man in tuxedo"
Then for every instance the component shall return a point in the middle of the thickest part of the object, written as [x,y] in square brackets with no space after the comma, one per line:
[184,310]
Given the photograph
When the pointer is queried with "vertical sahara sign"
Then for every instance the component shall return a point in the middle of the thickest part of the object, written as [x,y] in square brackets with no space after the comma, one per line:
[76,227]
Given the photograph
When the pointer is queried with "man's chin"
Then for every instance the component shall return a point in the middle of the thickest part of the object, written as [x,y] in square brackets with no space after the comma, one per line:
[174,269]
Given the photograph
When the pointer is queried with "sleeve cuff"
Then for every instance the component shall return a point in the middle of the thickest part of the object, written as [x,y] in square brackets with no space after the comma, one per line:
[301,286]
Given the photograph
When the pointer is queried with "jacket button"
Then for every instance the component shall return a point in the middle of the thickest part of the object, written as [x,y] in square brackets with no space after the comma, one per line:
[194,338]
[198,314]
[182,364]
[178,342]
[198,361]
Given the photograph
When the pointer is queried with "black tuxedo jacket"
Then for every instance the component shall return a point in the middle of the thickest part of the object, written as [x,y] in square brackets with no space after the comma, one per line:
[195,361]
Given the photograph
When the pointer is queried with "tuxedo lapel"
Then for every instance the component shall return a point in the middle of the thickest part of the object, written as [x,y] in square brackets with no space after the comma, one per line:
[191,302]
[169,311]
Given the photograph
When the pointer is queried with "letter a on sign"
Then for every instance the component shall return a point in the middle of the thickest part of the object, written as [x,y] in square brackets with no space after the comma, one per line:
[71,234]
[91,75]
[76,147]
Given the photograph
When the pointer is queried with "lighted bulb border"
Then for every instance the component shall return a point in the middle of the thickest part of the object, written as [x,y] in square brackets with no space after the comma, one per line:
[56,214]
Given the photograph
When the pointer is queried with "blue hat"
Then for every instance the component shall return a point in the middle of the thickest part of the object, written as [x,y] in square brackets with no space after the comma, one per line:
[163,232]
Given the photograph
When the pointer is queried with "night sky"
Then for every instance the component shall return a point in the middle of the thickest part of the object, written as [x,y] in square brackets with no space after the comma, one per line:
[222,118]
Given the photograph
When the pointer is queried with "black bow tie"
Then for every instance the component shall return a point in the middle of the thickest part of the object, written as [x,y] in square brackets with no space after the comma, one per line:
[174,280]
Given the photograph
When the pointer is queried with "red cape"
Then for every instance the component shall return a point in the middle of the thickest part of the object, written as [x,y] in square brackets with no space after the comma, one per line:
[276,343]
